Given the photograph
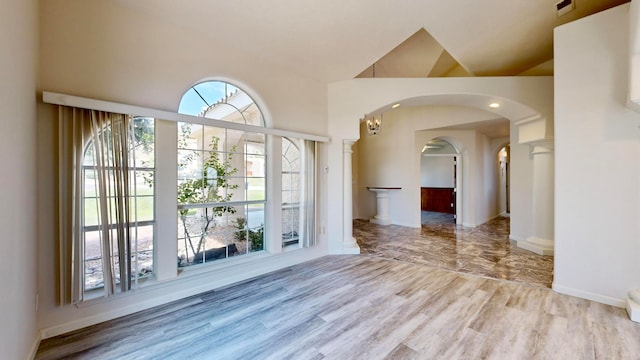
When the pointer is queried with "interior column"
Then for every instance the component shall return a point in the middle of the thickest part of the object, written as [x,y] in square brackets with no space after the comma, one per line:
[349,244]
[541,241]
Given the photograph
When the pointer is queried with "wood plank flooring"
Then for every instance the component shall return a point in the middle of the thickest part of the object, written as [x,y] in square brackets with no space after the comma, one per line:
[362,307]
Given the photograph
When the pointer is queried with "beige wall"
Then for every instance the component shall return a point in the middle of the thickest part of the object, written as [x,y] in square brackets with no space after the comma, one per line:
[18,159]
[103,50]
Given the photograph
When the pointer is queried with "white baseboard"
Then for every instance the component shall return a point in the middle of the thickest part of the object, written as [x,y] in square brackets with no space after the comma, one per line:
[516,237]
[186,286]
[603,299]
[406,224]
[35,346]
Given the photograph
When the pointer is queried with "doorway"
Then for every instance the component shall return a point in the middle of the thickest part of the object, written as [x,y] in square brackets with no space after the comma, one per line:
[504,200]
[439,178]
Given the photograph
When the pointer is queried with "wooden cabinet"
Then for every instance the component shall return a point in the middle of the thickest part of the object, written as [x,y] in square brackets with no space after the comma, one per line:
[438,200]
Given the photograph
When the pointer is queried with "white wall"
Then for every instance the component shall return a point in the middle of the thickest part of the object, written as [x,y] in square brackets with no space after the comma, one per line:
[110,52]
[436,171]
[597,161]
[18,159]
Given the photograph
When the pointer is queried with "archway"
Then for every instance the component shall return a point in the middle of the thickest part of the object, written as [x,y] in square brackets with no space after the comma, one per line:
[504,178]
[524,101]
[440,183]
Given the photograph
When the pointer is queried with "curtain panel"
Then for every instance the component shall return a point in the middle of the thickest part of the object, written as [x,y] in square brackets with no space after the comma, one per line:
[98,143]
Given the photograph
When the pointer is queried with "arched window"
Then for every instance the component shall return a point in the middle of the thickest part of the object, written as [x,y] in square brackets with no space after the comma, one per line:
[291,163]
[222,101]
[221,176]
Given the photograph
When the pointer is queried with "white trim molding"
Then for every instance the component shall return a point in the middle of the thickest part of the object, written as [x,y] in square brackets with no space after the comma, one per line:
[35,346]
[93,104]
[537,245]
[603,299]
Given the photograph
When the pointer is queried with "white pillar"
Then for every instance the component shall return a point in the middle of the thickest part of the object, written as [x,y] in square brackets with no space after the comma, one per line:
[382,205]
[349,244]
[541,241]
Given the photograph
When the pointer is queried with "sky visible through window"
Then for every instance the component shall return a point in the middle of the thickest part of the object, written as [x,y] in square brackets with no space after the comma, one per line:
[200,96]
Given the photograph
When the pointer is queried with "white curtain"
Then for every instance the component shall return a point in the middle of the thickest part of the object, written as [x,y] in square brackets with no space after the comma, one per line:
[109,137]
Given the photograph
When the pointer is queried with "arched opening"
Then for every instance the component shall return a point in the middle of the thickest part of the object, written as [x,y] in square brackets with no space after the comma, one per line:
[504,179]
[468,164]
[439,174]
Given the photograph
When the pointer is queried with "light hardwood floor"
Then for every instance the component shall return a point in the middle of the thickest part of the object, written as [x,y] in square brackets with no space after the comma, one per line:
[362,307]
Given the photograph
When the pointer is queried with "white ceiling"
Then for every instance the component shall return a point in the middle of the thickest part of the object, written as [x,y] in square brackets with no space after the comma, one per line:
[335,40]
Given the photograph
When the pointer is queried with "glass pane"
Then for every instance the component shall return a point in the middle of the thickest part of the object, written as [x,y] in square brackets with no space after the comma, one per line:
[253,115]
[295,164]
[213,139]
[287,197]
[90,212]
[225,112]
[256,188]
[250,229]
[189,136]
[235,141]
[144,206]
[288,184]
[144,266]
[89,183]
[255,165]
[209,234]
[237,189]
[143,258]
[93,263]
[143,183]
[144,138]
[191,103]
[255,144]
[211,91]
[290,225]
[189,164]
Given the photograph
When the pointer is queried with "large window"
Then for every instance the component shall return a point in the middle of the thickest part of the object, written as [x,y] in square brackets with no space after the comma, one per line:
[221,177]
[137,193]
[221,193]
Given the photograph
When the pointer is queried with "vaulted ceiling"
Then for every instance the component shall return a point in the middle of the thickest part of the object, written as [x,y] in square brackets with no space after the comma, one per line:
[333,40]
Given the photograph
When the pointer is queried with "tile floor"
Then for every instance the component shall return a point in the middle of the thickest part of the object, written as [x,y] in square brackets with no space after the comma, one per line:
[484,250]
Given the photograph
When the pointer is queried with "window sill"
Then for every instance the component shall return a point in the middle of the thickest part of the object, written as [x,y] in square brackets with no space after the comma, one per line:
[221,264]
[95,297]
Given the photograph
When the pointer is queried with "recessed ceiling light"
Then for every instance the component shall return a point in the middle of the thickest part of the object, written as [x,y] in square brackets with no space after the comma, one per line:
[395,105]
[494,105]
